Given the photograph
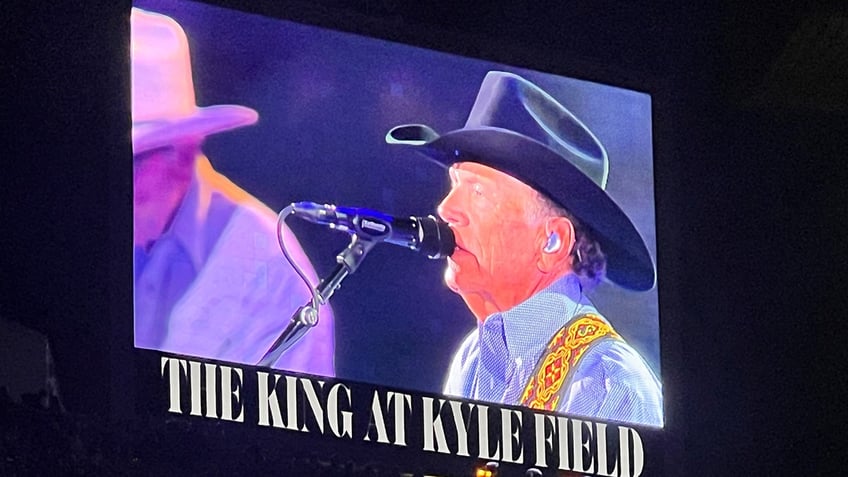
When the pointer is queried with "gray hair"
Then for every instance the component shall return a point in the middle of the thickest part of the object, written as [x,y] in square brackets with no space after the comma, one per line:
[587,259]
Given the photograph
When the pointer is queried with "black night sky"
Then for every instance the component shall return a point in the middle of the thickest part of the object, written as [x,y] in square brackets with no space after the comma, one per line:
[750,134]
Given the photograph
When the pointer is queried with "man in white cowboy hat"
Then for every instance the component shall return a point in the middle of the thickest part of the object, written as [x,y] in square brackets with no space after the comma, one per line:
[210,280]
[534,228]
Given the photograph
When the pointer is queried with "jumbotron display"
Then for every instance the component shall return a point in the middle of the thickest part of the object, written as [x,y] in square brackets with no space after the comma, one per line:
[453,226]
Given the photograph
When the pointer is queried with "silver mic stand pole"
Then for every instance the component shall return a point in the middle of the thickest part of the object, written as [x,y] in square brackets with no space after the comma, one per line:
[348,260]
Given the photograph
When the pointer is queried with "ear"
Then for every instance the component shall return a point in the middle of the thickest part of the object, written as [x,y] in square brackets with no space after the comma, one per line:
[556,245]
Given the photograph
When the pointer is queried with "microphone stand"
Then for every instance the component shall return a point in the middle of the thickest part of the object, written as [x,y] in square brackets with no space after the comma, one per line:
[348,260]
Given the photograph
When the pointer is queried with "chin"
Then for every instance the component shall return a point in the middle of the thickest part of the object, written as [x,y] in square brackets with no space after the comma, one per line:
[450,280]
[461,284]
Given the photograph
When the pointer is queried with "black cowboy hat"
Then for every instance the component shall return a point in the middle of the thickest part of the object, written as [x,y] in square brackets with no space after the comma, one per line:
[517,128]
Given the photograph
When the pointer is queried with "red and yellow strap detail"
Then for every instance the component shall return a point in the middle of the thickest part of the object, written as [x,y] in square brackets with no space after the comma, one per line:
[561,356]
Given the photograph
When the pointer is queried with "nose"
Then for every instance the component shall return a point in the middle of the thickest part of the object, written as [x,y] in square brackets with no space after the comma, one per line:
[450,209]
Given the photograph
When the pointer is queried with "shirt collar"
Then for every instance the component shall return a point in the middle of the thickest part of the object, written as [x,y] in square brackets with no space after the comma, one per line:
[193,218]
[528,326]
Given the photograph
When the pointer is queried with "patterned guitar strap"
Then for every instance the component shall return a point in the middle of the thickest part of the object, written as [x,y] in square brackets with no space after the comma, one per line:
[561,356]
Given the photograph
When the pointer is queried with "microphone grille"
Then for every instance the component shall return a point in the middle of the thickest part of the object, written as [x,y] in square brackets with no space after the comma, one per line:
[437,239]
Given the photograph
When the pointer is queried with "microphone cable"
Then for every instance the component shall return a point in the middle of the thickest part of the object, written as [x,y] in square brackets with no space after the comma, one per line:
[281,241]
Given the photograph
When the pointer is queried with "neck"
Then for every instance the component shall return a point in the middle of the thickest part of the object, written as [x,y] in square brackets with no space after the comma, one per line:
[483,305]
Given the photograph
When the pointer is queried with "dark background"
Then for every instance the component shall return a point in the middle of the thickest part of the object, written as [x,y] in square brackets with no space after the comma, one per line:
[750,135]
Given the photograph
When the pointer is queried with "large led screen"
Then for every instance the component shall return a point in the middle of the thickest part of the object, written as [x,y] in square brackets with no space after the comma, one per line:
[538,187]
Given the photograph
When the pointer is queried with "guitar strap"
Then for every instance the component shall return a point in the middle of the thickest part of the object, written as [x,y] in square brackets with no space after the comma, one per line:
[556,366]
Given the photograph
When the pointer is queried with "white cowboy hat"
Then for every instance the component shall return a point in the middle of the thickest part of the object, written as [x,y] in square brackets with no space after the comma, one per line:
[163,103]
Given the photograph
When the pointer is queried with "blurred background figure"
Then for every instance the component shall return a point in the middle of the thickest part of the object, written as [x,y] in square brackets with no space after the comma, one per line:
[210,280]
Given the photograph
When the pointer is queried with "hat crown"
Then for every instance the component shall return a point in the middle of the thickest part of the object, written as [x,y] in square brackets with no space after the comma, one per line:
[162,86]
[510,102]
[163,103]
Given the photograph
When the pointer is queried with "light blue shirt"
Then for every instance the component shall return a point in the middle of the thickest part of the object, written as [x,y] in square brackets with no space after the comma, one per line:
[216,285]
[611,381]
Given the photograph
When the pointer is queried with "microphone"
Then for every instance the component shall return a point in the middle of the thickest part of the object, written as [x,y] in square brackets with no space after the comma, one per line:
[428,235]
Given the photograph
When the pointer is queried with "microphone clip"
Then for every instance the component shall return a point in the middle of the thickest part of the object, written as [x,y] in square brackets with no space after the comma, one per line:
[348,260]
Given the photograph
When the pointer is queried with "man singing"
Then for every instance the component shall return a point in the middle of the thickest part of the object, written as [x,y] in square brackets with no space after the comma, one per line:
[535,228]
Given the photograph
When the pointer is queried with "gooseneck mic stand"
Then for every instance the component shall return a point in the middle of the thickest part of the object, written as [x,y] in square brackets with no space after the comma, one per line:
[348,260]
[367,227]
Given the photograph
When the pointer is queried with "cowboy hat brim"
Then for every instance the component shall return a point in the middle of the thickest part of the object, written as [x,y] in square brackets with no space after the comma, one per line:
[629,263]
[203,122]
